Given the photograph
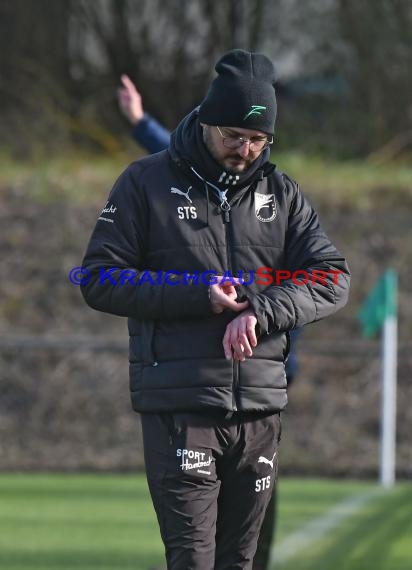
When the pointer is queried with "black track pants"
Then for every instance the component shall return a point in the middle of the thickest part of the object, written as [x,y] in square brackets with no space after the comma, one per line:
[210,479]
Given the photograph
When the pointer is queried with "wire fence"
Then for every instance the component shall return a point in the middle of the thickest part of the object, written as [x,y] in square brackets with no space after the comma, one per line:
[64,405]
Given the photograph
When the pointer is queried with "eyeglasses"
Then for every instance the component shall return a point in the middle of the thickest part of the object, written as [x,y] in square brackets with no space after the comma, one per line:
[235,141]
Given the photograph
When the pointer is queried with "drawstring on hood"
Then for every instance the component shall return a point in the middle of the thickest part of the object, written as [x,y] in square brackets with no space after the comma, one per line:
[207,204]
[221,194]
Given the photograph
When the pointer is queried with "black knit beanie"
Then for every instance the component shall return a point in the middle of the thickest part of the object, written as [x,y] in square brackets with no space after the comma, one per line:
[243,94]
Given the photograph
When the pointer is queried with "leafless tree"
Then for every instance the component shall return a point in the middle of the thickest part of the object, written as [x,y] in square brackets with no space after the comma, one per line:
[60,62]
[379,36]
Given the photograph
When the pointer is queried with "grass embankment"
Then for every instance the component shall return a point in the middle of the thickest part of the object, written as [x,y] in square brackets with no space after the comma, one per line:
[81,178]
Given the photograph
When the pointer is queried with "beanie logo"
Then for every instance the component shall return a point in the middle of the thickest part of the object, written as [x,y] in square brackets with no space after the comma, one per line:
[254,110]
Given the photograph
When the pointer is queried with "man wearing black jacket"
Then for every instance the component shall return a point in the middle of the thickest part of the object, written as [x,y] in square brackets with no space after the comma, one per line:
[181,231]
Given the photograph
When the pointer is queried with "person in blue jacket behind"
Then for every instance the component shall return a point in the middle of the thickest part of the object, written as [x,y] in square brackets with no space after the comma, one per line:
[154,137]
[147,132]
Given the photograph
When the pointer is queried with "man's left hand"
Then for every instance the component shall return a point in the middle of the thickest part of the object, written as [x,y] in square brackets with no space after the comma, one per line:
[240,336]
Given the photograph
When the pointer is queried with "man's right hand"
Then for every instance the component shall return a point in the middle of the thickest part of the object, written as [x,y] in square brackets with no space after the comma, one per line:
[223,295]
[130,100]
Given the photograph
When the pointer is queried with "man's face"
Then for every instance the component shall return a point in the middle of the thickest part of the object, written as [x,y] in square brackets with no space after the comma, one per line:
[232,160]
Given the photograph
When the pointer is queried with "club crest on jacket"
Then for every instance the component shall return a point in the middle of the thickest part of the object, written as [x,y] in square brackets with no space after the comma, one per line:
[265,207]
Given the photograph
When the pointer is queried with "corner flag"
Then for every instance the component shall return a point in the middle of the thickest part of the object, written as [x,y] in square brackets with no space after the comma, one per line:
[380,311]
[380,304]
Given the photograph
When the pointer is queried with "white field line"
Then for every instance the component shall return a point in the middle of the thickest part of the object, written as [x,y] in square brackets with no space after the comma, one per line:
[317,528]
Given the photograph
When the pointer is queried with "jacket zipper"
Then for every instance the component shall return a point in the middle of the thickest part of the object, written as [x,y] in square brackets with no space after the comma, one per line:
[225,206]
[235,385]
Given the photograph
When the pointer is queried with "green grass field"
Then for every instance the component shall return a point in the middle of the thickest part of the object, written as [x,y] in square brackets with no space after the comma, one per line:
[106,522]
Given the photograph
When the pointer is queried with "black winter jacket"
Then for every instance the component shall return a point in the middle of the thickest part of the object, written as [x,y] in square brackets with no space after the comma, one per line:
[162,216]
